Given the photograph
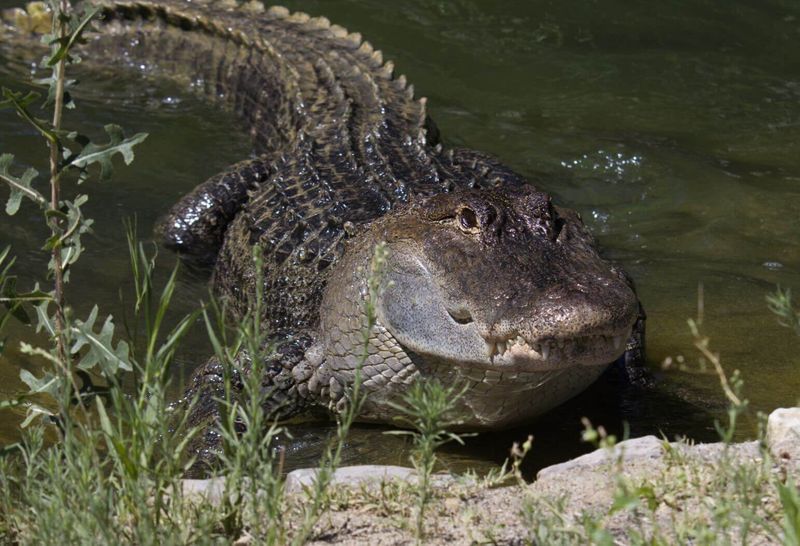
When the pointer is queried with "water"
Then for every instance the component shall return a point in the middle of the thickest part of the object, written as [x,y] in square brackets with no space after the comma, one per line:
[673,127]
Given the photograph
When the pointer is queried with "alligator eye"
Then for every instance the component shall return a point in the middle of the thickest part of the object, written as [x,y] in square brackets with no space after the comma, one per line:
[468,219]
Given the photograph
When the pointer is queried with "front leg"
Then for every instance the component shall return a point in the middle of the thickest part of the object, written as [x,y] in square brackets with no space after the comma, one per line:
[282,390]
[195,226]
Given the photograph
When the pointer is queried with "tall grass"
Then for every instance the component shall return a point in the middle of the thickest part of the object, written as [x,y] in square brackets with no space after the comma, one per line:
[428,410]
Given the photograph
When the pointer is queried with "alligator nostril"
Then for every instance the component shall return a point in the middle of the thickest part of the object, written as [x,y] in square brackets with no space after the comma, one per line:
[491,215]
[461,316]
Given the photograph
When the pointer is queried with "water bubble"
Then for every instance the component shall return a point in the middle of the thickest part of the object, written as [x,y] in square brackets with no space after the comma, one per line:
[600,220]
[615,163]
[600,216]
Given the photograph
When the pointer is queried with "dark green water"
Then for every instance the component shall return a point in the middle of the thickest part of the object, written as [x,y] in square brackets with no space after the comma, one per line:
[673,127]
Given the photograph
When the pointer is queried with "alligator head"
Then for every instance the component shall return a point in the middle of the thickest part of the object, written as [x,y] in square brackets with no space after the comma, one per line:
[495,289]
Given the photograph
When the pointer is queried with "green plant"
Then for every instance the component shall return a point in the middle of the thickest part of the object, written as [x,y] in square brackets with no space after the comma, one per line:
[122,467]
[115,476]
[428,409]
[501,475]
[780,303]
[253,479]
[144,446]
[790,502]
[77,345]
[731,385]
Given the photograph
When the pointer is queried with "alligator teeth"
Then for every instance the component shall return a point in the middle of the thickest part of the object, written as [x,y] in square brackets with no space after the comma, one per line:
[558,348]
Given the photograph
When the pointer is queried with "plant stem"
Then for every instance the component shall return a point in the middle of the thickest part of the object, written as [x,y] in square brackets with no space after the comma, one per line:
[64,359]
[55,197]
[702,346]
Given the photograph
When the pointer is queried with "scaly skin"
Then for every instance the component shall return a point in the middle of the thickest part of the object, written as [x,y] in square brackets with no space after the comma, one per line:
[487,282]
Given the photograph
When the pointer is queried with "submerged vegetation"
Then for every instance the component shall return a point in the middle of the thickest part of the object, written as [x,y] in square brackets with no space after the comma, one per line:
[102,454]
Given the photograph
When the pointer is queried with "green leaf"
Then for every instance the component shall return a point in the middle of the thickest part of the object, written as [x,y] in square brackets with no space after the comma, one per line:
[20,103]
[19,99]
[12,403]
[117,447]
[8,293]
[167,349]
[34,411]
[790,500]
[105,422]
[69,242]
[53,213]
[20,187]
[13,300]
[5,451]
[46,322]
[47,384]
[78,26]
[51,83]
[102,153]
[34,296]
[8,297]
[101,349]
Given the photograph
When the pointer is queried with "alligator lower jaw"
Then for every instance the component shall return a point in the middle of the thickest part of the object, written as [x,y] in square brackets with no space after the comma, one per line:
[554,353]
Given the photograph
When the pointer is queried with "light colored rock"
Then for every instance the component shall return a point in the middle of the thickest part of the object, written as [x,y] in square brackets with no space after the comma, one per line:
[210,490]
[743,452]
[589,481]
[639,455]
[213,489]
[636,449]
[783,434]
[351,475]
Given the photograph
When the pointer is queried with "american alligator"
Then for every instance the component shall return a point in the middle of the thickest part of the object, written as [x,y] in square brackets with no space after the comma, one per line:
[486,283]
